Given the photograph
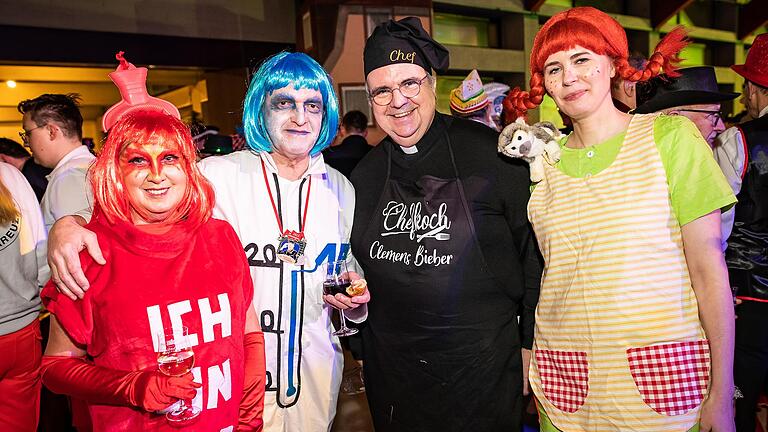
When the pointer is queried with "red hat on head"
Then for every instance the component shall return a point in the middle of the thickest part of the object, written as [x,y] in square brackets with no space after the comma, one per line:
[755,69]
[132,83]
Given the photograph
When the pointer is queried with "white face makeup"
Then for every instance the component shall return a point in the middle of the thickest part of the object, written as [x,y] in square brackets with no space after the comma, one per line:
[294,119]
[579,80]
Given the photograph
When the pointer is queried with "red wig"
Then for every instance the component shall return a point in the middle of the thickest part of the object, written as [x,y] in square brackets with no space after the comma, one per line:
[594,30]
[144,127]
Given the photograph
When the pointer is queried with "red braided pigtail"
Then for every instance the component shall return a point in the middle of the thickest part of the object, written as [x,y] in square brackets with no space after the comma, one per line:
[663,60]
[518,102]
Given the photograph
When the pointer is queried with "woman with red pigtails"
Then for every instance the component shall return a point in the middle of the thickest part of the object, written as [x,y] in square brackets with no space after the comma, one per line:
[634,326]
[173,273]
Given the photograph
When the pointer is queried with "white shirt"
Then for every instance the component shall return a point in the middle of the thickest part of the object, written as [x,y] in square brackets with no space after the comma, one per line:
[68,191]
[731,154]
[304,361]
[23,267]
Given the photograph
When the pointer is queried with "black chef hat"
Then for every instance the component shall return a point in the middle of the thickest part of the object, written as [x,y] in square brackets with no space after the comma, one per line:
[404,41]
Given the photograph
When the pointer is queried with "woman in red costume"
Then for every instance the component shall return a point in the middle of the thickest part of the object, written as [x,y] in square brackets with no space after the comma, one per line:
[168,265]
[634,325]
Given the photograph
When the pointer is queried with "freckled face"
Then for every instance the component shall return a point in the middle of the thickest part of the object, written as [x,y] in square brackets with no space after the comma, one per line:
[294,119]
[154,179]
[579,81]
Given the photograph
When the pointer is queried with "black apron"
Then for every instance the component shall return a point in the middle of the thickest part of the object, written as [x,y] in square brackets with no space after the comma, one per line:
[441,347]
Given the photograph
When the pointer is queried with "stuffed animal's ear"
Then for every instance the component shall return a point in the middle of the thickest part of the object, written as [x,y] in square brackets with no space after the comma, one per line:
[548,127]
[521,120]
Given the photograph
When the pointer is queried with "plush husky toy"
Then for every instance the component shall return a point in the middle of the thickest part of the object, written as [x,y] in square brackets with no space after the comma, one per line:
[534,144]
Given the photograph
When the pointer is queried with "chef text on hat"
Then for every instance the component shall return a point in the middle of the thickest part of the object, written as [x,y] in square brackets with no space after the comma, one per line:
[397,55]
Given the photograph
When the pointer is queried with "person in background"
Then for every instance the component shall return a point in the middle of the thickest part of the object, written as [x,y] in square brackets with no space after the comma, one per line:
[352,145]
[625,92]
[23,271]
[747,253]
[163,273]
[634,325]
[441,233]
[14,154]
[496,93]
[53,130]
[470,101]
[694,95]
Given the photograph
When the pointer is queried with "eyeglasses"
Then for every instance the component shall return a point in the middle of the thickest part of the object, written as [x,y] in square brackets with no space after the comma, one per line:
[25,134]
[409,88]
[713,116]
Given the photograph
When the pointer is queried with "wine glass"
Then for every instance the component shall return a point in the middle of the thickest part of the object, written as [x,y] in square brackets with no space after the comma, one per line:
[176,358]
[336,282]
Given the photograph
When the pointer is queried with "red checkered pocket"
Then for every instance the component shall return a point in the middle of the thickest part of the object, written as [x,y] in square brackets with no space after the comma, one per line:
[564,378]
[672,378]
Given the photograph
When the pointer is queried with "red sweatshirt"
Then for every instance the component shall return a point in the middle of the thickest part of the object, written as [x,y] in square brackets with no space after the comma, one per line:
[196,278]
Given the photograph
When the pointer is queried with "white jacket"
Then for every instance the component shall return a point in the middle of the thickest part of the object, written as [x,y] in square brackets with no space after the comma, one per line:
[304,361]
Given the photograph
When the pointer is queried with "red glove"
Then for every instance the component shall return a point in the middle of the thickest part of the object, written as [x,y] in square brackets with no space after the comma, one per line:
[252,404]
[149,390]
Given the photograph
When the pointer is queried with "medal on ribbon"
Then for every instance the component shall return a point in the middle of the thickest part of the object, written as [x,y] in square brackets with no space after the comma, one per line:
[291,247]
[291,244]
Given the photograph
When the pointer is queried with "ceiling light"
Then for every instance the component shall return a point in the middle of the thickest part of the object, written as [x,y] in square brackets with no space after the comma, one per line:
[11,83]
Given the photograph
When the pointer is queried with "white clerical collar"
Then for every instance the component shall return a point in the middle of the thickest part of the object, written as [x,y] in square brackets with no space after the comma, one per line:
[410,150]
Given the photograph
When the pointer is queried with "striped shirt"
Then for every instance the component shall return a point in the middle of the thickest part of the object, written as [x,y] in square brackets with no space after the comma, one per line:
[618,342]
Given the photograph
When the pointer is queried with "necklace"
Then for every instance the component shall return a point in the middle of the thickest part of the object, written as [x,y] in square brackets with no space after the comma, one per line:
[291,244]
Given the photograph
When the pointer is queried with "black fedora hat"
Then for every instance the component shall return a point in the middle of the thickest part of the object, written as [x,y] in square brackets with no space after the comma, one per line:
[695,85]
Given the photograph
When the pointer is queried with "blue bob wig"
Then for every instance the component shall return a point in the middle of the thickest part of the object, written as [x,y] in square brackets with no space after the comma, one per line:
[278,71]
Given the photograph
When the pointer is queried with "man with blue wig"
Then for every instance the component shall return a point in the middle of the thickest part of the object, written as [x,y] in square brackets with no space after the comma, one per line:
[282,188]
[293,214]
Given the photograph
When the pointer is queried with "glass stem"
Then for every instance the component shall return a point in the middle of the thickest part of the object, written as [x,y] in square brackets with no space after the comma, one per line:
[183,407]
[343,321]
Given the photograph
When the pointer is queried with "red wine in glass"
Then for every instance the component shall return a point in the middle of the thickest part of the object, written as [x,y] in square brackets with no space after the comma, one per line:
[337,281]
[333,288]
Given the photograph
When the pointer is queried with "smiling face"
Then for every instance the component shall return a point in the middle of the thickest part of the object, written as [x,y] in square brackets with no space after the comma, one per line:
[579,80]
[294,119]
[154,180]
[405,120]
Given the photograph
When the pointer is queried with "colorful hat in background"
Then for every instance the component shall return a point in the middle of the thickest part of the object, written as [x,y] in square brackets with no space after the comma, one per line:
[132,83]
[469,96]
[755,68]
